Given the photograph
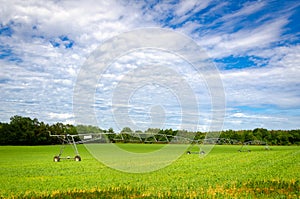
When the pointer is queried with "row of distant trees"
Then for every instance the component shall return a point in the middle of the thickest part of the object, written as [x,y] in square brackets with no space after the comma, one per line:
[26,131]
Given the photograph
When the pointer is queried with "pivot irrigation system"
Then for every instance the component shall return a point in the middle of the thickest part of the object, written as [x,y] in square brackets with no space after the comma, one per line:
[131,137]
[66,139]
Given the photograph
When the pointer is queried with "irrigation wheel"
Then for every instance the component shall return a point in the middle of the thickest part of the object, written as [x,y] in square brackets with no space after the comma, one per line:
[56,159]
[77,158]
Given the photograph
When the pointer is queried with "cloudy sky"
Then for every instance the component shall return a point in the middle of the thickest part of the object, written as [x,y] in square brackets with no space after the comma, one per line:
[253,44]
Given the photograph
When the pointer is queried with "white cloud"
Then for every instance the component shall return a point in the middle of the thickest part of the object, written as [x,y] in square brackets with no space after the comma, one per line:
[184,7]
[45,76]
[254,120]
[48,73]
[245,40]
[60,115]
[275,84]
[247,9]
[65,118]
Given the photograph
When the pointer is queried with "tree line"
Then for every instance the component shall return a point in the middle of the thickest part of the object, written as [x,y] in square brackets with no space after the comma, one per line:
[26,131]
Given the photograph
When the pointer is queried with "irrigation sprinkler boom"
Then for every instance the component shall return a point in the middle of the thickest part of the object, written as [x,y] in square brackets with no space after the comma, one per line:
[68,139]
[133,137]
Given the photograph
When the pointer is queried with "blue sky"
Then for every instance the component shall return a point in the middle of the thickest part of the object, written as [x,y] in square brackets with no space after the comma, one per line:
[254,44]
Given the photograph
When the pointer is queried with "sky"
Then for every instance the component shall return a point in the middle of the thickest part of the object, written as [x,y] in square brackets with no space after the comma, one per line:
[254,46]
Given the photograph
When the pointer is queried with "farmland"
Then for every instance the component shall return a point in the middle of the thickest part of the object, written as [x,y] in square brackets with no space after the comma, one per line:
[29,172]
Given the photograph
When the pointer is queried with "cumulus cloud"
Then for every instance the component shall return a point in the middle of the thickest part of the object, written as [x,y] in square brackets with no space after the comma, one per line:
[275,85]
[43,45]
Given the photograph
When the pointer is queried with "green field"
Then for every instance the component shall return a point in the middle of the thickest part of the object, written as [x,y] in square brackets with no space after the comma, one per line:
[29,172]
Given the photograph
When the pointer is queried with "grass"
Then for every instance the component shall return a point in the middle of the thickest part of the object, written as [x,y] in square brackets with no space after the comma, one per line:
[29,172]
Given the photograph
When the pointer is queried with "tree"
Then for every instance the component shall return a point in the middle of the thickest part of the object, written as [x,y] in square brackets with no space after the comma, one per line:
[126,130]
[111,136]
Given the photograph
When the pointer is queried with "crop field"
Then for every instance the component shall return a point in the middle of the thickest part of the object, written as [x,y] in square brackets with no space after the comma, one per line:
[29,172]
